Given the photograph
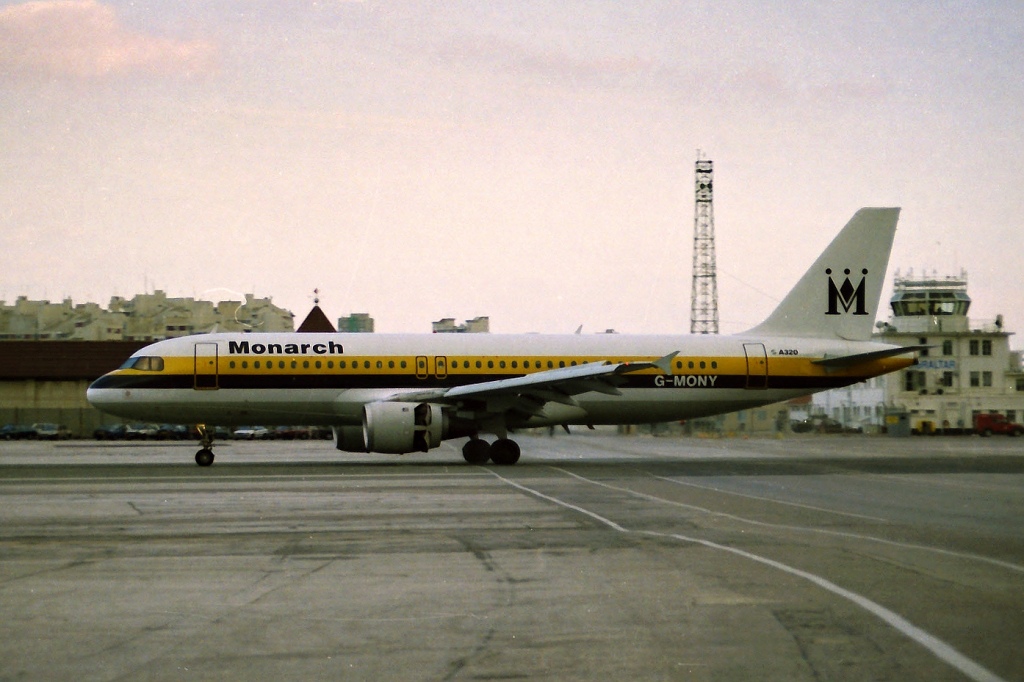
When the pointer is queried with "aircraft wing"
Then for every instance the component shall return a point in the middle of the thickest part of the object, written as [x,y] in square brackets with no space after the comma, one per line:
[530,392]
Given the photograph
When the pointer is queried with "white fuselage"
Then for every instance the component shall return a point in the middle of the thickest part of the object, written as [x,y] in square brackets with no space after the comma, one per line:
[328,378]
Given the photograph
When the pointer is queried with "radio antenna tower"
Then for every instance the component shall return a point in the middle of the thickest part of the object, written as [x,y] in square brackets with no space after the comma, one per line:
[704,294]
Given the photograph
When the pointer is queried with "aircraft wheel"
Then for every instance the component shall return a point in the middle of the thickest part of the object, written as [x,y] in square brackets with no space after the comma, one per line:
[476,451]
[204,457]
[505,451]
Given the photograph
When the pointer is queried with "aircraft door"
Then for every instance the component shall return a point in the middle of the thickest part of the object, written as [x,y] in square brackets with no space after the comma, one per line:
[757,365]
[206,366]
[436,367]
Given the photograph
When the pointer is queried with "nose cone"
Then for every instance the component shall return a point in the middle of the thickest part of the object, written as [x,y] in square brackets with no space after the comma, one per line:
[102,397]
[93,395]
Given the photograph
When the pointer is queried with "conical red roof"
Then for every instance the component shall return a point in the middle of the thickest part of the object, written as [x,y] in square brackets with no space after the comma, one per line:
[316,322]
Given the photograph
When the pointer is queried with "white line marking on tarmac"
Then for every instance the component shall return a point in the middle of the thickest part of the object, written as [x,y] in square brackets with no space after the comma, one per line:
[865,517]
[1017,568]
[231,478]
[936,646]
[823,531]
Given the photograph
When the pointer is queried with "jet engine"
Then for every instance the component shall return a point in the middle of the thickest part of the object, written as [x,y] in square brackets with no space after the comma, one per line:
[350,438]
[397,428]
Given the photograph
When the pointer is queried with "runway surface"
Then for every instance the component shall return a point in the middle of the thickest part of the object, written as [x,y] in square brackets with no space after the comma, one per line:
[596,557]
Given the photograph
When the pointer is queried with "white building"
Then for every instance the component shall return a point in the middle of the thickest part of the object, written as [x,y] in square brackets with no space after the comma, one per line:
[144,317]
[478,325]
[860,405]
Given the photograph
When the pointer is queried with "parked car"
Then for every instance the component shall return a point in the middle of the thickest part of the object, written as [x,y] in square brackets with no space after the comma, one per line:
[801,425]
[284,433]
[987,424]
[294,432]
[321,432]
[17,432]
[820,424]
[172,432]
[48,431]
[140,432]
[251,433]
[109,432]
[221,433]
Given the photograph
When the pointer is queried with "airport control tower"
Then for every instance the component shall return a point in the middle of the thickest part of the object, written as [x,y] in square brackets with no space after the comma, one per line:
[704,293]
[929,304]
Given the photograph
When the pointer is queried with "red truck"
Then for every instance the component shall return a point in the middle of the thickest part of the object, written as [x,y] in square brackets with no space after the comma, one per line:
[987,424]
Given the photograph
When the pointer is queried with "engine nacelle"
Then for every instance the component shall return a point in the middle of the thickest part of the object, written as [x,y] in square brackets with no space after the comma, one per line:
[397,428]
[350,438]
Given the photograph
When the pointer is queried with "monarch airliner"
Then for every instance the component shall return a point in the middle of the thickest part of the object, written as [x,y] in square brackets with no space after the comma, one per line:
[401,393]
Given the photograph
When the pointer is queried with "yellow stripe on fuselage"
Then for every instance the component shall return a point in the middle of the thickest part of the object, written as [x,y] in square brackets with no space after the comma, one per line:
[503,365]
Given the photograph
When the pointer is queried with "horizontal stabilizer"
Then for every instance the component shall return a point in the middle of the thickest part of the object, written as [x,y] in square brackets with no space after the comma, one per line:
[860,358]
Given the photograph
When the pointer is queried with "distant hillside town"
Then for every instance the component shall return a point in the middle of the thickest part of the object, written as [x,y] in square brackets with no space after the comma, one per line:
[144,317]
[156,316]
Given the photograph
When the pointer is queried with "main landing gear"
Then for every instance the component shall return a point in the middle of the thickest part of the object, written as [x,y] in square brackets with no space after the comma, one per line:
[502,451]
[204,457]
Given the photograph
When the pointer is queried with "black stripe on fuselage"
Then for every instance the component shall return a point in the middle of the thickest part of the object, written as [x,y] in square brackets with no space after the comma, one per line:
[253,381]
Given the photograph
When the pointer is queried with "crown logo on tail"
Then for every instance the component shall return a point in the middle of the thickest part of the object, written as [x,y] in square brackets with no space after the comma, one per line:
[847,295]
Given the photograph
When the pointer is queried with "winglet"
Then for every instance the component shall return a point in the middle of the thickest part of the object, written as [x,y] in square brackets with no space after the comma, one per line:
[665,363]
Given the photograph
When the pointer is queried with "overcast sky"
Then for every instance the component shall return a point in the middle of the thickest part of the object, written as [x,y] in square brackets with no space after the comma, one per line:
[530,161]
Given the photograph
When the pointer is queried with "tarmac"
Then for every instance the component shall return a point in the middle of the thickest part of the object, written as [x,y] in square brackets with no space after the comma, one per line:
[597,557]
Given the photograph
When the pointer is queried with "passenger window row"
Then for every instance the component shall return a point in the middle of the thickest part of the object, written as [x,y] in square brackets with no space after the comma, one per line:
[454,364]
[402,364]
[690,364]
[156,364]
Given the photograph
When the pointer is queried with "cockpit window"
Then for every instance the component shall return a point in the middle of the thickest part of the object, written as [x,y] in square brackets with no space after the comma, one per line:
[145,363]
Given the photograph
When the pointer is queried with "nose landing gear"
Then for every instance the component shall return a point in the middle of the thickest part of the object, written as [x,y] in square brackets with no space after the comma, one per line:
[204,457]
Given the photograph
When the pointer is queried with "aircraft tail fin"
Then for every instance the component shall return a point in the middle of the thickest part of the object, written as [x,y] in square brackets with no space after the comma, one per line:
[838,296]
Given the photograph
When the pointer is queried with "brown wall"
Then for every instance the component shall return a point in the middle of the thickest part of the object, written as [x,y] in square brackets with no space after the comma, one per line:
[45,381]
[74,360]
